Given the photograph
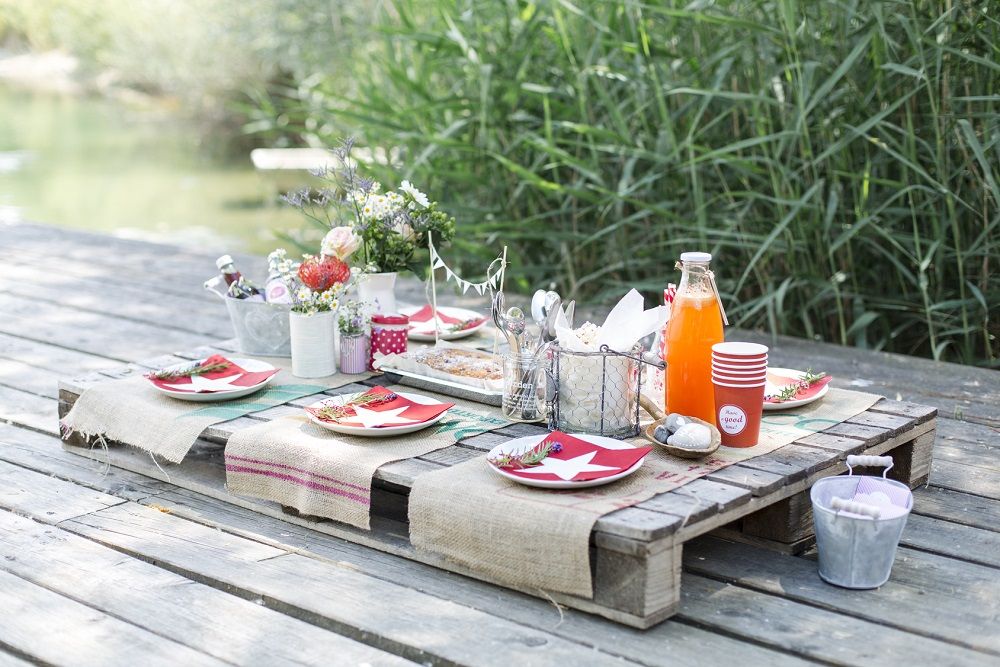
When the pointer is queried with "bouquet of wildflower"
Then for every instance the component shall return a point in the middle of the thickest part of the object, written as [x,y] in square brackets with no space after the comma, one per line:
[315,283]
[353,318]
[388,227]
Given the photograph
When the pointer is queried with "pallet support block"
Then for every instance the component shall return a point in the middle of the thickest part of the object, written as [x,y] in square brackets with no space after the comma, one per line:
[646,588]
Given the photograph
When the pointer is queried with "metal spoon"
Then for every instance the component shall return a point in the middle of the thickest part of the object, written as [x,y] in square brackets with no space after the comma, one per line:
[538,307]
[570,312]
[549,330]
[516,326]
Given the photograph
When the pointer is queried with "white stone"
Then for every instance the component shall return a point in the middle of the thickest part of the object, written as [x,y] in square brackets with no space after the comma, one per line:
[674,421]
[691,436]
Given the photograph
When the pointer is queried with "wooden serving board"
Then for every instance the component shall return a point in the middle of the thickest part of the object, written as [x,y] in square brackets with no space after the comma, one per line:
[636,552]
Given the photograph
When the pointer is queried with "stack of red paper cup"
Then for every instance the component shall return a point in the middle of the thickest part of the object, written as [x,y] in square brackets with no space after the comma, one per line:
[739,371]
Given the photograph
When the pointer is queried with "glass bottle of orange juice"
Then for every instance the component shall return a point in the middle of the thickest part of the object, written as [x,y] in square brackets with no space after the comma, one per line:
[695,326]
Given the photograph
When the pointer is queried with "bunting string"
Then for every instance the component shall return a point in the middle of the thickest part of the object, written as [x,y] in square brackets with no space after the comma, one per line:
[494,273]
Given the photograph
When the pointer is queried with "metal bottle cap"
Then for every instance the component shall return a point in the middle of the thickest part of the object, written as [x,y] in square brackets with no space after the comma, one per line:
[699,257]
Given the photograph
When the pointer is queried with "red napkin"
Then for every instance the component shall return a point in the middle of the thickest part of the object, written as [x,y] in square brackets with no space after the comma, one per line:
[583,455]
[245,379]
[414,413]
[426,314]
[781,381]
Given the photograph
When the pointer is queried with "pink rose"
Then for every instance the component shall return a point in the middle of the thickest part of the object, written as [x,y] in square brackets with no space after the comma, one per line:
[340,242]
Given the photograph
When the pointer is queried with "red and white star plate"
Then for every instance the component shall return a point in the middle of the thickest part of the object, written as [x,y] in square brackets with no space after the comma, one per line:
[584,461]
[245,377]
[781,377]
[454,323]
[413,412]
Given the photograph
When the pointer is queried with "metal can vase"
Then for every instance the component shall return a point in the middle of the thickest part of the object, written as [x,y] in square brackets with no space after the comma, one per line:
[354,353]
[389,334]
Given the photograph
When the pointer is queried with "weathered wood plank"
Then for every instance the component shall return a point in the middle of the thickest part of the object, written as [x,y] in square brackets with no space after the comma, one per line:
[30,410]
[56,630]
[49,499]
[198,616]
[947,609]
[11,660]
[811,632]
[44,454]
[952,539]
[668,643]
[958,507]
[30,379]
[51,357]
[758,482]
[84,331]
[130,302]
[969,479]
[421,627]
[140,262]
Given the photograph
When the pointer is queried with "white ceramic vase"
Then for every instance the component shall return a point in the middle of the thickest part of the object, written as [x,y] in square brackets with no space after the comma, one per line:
[378,289]
[312,339]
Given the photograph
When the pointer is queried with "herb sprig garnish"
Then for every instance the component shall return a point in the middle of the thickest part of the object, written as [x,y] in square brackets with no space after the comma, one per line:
[191,371]
[789,392]
[368,399]
[532,457]
[466,324]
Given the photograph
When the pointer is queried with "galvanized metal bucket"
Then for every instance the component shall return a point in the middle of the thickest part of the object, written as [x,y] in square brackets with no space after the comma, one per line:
[261,328]
[858,522]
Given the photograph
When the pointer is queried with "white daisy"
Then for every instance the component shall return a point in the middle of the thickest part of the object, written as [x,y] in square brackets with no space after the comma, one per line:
[417,196]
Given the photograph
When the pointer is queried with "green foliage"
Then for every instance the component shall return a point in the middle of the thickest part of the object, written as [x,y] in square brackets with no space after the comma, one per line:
[839,159]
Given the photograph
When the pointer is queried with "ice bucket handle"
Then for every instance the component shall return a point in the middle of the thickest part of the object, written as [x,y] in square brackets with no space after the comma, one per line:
[213,284]
[873,461]
[854,507]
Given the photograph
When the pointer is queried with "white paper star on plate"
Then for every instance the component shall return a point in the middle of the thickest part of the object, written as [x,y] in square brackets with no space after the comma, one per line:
[373,418]
[567,469]
[200,383]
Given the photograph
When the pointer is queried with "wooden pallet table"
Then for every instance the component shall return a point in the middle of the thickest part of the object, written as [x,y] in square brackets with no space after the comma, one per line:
[636,552]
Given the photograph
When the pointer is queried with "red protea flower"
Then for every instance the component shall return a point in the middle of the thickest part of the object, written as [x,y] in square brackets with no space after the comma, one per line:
[321,273]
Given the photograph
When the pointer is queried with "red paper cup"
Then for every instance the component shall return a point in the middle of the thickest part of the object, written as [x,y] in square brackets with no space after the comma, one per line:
[739,351]
[738,409]
[739,363]
[741,370]
[739,382]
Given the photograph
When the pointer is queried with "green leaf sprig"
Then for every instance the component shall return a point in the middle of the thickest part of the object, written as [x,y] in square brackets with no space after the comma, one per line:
[191,371]
[333,413]
[789,392]
[532,457]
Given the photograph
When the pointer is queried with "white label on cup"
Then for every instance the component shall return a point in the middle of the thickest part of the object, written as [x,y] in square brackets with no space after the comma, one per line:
[732,419]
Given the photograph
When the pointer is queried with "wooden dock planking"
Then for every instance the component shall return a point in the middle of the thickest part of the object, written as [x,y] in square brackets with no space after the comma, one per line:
[637,550]
[963,463]
[171,606]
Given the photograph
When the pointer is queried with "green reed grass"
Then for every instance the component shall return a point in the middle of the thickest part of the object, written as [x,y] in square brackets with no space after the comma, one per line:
[840,159]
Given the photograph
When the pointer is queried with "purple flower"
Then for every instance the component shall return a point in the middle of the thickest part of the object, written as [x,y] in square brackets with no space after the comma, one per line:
[556,447]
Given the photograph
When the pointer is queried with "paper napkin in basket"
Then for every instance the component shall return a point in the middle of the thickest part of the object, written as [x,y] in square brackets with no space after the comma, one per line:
[581,377]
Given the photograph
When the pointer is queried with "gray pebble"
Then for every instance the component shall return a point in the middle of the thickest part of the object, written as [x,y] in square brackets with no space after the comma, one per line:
[661,433]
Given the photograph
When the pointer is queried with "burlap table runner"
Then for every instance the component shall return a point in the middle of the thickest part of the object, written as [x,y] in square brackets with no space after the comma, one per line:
[537,538]
[133,412]
[301,465]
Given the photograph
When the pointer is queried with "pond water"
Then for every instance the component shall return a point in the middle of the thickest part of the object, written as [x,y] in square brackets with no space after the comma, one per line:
[101,165]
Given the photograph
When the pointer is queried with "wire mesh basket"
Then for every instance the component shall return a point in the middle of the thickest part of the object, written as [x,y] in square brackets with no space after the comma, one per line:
[594,392]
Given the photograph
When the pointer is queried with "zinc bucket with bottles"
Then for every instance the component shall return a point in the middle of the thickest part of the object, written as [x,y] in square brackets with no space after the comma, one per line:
[858,522]
[261,327]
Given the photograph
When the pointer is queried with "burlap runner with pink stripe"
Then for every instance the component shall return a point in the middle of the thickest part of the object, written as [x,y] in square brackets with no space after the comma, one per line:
[301,465]
[536,538]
